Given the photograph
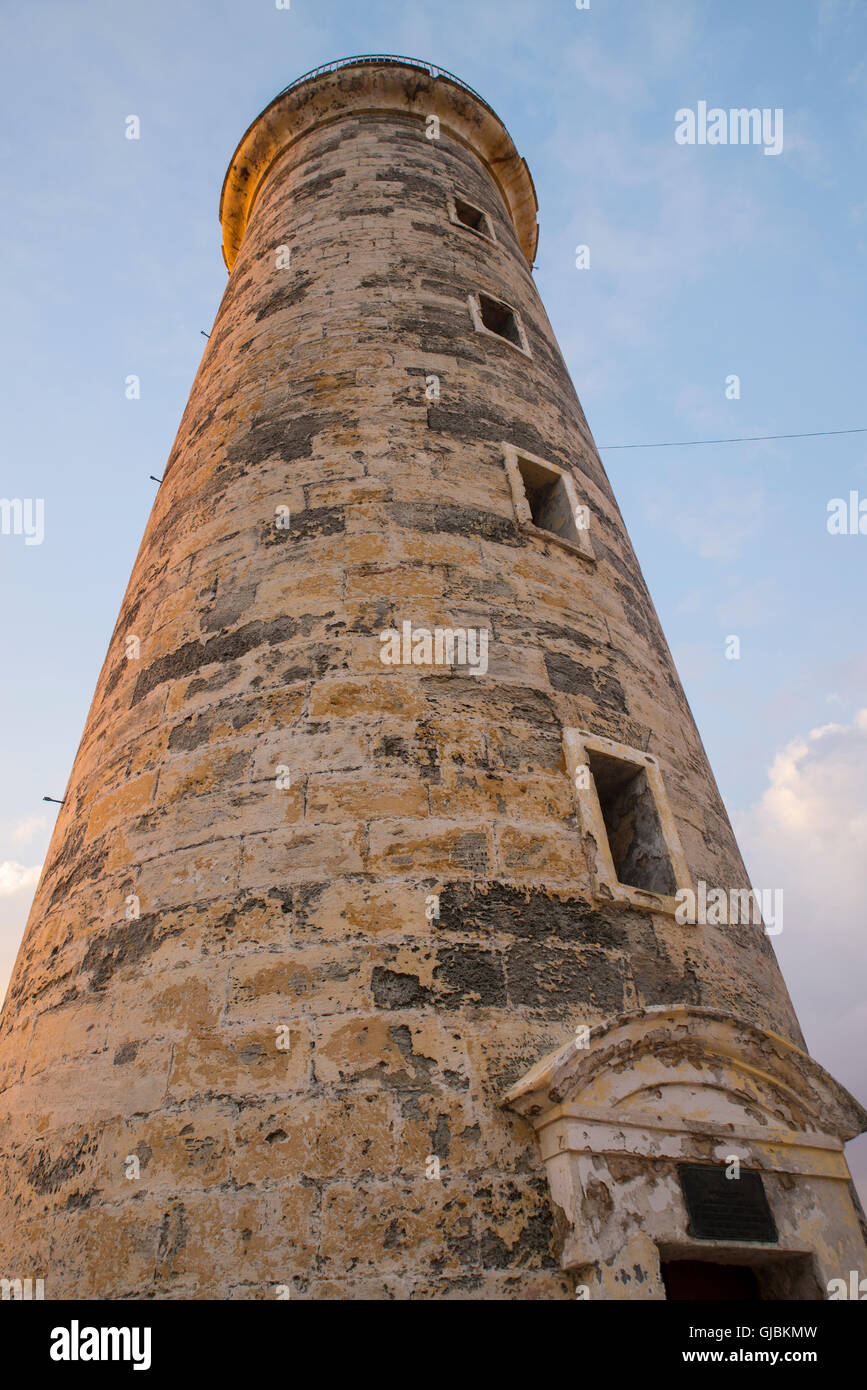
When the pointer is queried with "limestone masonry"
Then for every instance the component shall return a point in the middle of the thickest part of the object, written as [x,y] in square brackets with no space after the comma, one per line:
[360,978]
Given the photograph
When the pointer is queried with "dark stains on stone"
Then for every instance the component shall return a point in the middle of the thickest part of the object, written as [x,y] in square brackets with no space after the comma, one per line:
[364,210]
[416,187]
[402,1038]
[391,990]
[240,714]
[316,188]
[599,686]
[529,752]
[220,678]
[303,902]
[562,1226]
[427,755]
[656,976]
[183,661]
[128,944]
[441,328]
[173,1232]
[228,607]
[597,1204]
[125,1053]
[472,976]
[285,297]
[453,519]
[393,746]
[446,289]
[441,1138]
[192,733]
[114,677]
[289,439]
[535,1245]
[312,664]
[308,524]
[431,228]
[540,975]
[554,979]
[410,1108]
[201,1152]
[89,866]
[79,1200]
[219,649]
[232,645]
[471,852]
[67,851]
[556,633]
[49,1175]
[422,1066]
[394,1238]
[200,425]
[474,424]
[532,913]
[499,705]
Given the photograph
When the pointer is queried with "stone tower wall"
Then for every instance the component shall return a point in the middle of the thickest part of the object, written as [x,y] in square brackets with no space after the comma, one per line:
[304,907]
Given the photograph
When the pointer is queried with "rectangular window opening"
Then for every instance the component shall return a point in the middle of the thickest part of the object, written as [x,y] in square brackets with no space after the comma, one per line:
[547,496]
[498,318]
[471,217]
[632,823]
[547,502]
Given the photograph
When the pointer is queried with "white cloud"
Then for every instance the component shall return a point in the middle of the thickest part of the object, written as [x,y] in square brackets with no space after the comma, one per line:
[807,834]
[16,877]
[17,886]
[27,829]
[812,822]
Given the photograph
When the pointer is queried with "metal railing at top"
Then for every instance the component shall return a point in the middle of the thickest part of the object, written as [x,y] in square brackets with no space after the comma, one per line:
[371,59]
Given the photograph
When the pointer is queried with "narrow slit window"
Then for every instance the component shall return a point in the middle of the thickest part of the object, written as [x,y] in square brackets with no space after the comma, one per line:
[635,837]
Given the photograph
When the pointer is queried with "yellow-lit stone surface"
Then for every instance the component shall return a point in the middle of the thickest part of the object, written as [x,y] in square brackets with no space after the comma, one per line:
[295,999]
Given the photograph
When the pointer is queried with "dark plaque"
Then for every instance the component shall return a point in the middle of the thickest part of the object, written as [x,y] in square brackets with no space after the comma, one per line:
[721,1208]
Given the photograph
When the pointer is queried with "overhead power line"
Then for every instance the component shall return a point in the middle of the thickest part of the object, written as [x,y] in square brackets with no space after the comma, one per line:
[741,439]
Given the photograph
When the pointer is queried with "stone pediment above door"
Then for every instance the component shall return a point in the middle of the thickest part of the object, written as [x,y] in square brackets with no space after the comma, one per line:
[681,1066]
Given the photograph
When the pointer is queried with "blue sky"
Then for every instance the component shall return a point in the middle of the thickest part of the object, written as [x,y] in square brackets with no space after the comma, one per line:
[704,262]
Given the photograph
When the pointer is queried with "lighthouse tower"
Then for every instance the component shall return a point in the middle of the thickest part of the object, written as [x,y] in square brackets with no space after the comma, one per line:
[393,940]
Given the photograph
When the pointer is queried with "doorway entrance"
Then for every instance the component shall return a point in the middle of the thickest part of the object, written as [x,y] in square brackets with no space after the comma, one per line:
[700,1279]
